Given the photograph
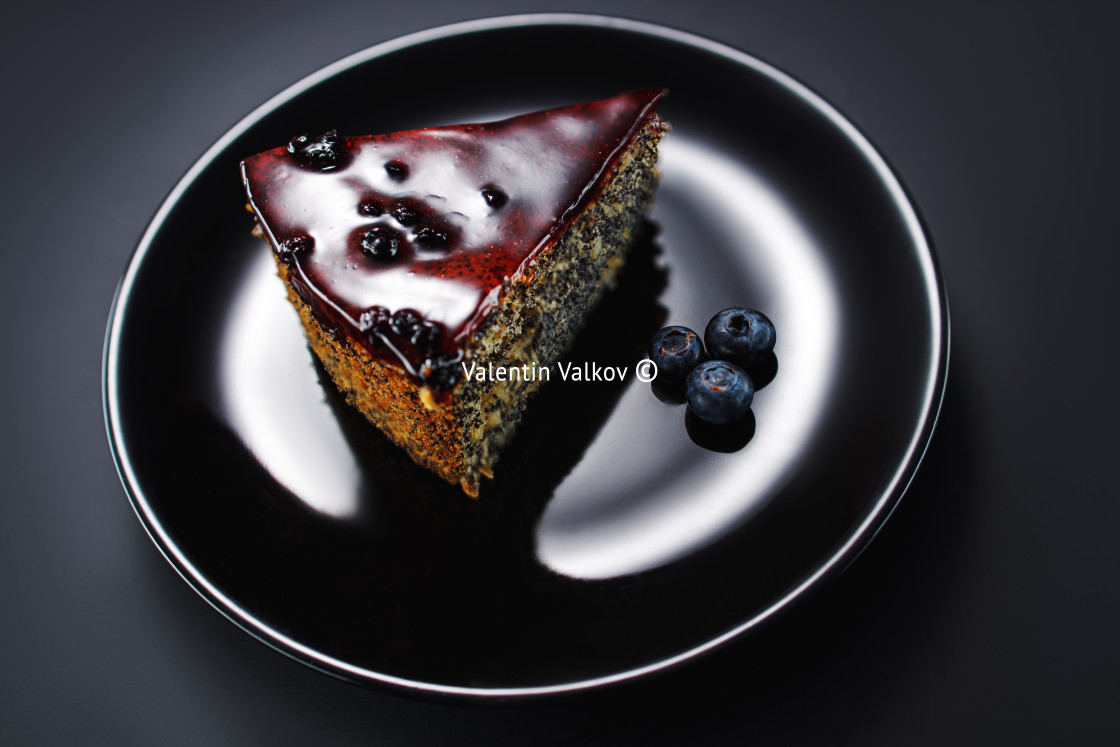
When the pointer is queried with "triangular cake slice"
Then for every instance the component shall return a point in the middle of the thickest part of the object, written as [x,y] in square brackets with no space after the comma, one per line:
[413,256]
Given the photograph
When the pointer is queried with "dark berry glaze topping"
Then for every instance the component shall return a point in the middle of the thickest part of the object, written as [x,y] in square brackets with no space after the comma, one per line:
[404,242]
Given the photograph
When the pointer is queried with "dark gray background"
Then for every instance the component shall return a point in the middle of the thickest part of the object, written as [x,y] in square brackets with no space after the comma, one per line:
[985,612]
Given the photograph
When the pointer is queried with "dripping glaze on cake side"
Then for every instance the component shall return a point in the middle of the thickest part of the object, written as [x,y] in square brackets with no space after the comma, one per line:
[406,240]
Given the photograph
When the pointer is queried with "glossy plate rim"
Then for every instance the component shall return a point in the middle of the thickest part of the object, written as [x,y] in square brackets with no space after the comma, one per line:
[859,538]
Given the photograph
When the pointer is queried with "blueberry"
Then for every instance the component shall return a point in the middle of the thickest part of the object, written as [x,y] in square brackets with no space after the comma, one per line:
[675,350]
[740,335]
[297,243]
[719,392]
[405,215]
[405,321]
[426,336]
[431,238]
[494,197]
[725,438]
[369,207]
[374,319]
[396,170]
[381,243]
[441,372]
[323,152]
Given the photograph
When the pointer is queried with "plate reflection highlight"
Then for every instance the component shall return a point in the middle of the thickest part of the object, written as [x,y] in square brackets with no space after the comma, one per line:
[274,401]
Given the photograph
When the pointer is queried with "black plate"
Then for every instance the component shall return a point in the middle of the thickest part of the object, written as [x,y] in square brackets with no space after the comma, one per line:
[618,538]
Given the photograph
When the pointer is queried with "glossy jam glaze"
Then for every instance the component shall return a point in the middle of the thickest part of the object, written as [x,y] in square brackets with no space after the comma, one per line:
[404,242]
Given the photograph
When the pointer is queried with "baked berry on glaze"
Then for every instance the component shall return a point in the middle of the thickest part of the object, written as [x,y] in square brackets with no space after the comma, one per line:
[405,321]
[405,215]
[369,208]
[396,170]
[426,335]
[374,319]
[494,197]
[381,243]
[740,335]
[719,392]
[297,243]
[431,238]
[675,350]
[319,153]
